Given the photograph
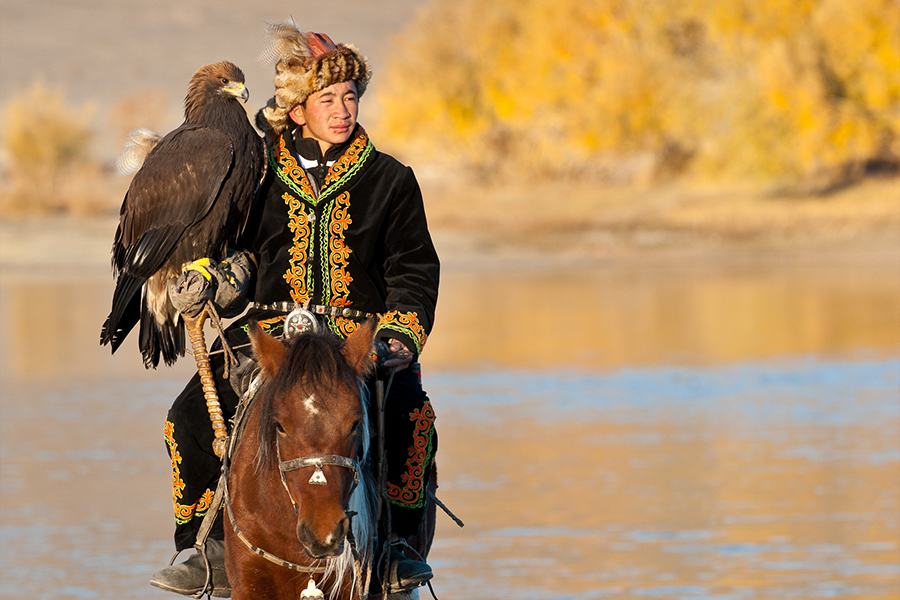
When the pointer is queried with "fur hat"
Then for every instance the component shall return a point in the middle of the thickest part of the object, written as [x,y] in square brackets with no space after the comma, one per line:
[306,63]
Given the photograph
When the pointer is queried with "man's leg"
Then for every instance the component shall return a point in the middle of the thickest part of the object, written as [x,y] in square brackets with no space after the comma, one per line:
[410,444]
[195,473]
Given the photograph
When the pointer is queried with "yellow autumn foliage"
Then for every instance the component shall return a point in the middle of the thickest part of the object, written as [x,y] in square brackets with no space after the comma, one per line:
[48,147]
[43,134]
[763,90]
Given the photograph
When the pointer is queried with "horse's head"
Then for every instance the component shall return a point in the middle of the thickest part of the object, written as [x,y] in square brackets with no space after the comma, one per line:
[313,427]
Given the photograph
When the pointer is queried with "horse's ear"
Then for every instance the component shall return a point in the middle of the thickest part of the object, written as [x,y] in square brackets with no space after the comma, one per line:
[269,351]
[357,348]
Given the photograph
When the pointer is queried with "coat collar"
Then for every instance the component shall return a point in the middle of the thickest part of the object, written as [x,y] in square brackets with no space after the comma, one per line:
[349,159]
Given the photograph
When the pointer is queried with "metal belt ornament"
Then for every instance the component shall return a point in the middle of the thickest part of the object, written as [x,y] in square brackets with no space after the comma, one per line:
[300,321]
[331,311]
[301,318]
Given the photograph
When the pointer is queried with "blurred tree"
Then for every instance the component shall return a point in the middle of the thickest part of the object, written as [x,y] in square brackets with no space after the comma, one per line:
[752,89]
[47,142]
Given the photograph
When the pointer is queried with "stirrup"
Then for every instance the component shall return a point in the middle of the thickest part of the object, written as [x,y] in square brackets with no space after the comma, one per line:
[391,581]
[185,578]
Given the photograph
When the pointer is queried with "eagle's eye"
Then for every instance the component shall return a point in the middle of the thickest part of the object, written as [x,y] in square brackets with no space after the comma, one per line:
[223,80]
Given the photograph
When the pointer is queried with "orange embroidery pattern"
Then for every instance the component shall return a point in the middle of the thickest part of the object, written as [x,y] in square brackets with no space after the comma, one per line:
[420,454]
[292,174]
[339,252]
[335,273]
[183,512]
[406,323]
[297,275]
[343,326]
[349,159]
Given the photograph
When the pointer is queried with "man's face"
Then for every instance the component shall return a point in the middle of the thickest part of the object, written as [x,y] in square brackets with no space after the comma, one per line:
[329,115]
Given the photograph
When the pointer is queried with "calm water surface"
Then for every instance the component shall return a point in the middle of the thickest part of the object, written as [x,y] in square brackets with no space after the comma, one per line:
[692,432]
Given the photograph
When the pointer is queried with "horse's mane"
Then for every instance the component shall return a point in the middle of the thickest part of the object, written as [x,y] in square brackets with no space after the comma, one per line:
[315,365]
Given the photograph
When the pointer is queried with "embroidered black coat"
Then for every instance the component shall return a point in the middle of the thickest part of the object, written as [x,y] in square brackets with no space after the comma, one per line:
[360,243]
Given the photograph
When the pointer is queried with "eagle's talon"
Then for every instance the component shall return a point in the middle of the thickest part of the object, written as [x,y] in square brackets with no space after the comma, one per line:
[200,265]
[225,270]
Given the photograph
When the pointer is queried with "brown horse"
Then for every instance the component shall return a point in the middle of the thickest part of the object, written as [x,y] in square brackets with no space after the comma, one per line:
[300,496]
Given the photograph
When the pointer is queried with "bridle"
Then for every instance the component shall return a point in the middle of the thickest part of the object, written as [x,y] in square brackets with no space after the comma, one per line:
[318,476]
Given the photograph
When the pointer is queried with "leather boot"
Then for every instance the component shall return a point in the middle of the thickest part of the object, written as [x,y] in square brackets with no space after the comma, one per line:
[404,573]
[189,577]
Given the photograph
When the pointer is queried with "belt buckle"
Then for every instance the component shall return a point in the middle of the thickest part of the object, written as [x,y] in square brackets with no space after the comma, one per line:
[299,321]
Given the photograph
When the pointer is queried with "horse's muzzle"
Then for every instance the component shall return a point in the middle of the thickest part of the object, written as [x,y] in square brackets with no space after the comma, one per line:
[332,545]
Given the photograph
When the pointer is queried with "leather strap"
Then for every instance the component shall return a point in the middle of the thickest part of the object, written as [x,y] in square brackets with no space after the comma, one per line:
[318,461]
[332,311]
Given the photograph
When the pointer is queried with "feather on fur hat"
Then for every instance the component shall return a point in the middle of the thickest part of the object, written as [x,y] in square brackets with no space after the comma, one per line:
[306,63]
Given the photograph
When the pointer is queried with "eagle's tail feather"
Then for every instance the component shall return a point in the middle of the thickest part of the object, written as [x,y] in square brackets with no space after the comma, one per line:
[125,311]
[172,335]
[166,339]
[148,340]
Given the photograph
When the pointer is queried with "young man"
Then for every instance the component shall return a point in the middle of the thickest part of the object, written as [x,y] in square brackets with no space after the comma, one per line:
[339,229]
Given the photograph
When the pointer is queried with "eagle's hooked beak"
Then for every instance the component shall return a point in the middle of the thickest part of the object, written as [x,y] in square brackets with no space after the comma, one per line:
[238,89]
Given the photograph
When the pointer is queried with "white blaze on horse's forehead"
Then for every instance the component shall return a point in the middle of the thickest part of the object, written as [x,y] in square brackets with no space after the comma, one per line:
[310,404]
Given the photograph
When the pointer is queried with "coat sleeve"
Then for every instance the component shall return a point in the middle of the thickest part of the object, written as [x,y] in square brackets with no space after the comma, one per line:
[412,269]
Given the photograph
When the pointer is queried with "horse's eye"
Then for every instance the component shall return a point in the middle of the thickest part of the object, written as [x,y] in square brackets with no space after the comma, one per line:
[280,429]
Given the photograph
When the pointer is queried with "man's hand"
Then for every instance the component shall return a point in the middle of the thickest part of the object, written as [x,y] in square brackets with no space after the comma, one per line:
[400,357]
[190,291]
[225,284]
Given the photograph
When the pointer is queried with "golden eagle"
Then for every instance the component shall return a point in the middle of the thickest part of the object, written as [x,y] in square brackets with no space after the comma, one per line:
[189,200]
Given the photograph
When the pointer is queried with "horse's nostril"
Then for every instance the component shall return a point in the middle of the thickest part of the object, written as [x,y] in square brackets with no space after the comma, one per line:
[339,533]
[332,545]
[303,533]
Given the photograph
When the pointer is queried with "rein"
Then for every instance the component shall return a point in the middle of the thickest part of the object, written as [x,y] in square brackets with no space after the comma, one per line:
[257,550]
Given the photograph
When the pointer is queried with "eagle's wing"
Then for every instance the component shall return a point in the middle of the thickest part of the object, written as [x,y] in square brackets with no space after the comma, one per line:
[175,188]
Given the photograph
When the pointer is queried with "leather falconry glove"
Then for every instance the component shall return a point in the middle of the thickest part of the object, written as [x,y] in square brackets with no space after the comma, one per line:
[225,283]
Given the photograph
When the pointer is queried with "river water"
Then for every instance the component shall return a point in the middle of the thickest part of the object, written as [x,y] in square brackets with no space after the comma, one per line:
[717,431]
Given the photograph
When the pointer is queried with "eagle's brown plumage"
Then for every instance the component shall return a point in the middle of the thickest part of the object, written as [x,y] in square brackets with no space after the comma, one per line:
[189,200]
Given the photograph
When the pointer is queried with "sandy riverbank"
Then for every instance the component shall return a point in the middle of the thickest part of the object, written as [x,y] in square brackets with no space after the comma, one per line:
[78,245]
[558,225]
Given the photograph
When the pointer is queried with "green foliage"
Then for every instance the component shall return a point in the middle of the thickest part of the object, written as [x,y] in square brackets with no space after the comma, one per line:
[746,89]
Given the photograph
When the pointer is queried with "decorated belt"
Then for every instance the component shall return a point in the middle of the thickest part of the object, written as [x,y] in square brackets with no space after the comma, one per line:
[332,311]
